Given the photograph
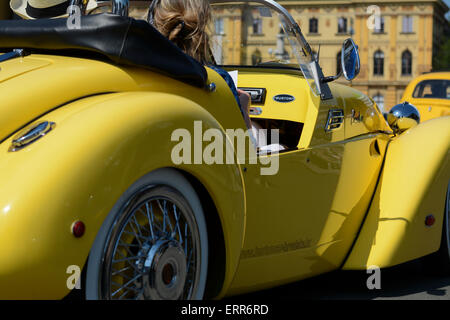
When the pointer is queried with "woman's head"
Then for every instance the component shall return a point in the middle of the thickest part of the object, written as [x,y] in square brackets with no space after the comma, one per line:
[184,22]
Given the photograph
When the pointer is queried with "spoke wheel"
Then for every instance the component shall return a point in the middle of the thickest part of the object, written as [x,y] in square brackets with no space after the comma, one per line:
[152,246]
[153,251]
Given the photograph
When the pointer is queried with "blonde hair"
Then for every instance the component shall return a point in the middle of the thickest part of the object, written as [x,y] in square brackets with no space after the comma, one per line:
[185,23]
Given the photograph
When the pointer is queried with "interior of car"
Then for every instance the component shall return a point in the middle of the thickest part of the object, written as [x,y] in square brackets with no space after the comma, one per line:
[267,70]
[437,89]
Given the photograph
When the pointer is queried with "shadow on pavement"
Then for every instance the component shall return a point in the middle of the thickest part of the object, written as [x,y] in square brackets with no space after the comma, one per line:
[407,281]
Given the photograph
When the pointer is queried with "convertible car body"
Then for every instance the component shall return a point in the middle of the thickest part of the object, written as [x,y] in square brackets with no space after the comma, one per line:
[88,179]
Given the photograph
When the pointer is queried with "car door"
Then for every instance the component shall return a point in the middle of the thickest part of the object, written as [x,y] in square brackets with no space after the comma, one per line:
[303,220]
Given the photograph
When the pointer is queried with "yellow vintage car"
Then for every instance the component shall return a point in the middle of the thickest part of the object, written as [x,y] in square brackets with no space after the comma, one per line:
[430,94]
[113,178]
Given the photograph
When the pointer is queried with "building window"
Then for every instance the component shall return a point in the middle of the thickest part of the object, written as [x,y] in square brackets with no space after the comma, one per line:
[219,26]
[379,25]
[379,100]
[256,57]
[406,63]
[257,26]
[338,63]
[313,25]
[378,63]
[342,25]
[407,24]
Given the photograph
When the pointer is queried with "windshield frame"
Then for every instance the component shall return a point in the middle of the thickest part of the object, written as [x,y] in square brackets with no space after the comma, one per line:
[322,87]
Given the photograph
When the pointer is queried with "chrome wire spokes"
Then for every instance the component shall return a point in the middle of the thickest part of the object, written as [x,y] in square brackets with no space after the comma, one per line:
[153,254]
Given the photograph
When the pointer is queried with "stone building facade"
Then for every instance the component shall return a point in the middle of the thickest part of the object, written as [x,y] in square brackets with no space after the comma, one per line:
[396,39]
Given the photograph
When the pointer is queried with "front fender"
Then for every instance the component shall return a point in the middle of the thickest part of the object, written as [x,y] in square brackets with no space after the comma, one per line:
[100,146]
[413,185]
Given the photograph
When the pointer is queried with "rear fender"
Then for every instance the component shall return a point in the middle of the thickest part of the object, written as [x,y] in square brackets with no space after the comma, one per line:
[99,147]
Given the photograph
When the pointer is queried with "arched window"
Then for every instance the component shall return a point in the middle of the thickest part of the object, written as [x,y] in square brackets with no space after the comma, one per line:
[338,63]
[256,57]
[313,25]
[378,63]
[406,63]
[379,100]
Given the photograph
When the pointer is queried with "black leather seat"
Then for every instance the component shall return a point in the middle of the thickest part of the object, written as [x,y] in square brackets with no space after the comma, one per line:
[123,40]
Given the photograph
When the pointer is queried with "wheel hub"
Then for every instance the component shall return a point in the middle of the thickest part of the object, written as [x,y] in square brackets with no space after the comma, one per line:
[164,270]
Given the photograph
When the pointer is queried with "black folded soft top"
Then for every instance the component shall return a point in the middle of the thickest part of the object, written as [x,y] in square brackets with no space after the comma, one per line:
[121,39]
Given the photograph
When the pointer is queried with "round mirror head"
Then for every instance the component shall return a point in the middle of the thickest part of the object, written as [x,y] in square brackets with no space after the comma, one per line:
[351,64]
[403,117]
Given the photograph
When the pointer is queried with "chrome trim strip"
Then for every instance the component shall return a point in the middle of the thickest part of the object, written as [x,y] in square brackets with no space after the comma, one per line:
[82,4]
[119,7]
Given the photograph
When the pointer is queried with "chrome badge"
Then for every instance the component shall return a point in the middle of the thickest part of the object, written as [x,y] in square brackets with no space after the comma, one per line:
[284,98]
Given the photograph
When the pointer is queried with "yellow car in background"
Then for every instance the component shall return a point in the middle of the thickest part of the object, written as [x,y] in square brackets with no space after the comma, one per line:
[430,94]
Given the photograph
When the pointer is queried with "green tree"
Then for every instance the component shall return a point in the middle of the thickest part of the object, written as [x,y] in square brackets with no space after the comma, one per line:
[442,58]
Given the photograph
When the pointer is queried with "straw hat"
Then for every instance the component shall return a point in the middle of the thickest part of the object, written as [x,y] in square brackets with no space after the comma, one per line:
[39,9]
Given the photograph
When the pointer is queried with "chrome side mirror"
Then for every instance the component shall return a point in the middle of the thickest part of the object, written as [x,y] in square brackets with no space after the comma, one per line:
[402,117]
[351,63]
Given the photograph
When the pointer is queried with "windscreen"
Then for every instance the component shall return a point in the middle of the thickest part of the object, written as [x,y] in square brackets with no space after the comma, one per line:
[255,35]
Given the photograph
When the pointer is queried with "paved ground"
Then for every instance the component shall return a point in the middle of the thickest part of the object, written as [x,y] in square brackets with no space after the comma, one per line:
[409,282]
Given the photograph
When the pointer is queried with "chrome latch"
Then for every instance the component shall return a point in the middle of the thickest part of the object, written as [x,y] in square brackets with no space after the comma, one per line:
[30,135]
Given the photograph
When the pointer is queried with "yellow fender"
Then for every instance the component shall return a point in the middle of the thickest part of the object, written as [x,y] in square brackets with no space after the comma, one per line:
[99,147]
[412,186]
